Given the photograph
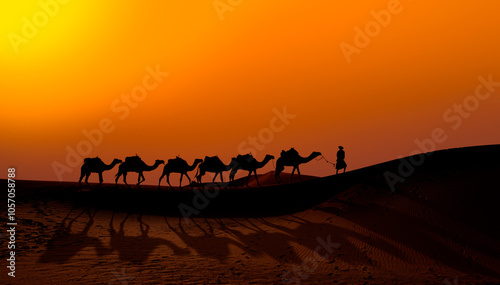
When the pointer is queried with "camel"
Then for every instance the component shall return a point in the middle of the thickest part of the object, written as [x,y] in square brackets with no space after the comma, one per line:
[135,164]
[95,165]
[249,163]
[178,165]
[292,158]
[212,164]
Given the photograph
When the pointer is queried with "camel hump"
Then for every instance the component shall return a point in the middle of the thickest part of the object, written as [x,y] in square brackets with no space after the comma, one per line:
[245,156]
[176,160]
[133,159]
[211,159]
[91,159]
[289,153]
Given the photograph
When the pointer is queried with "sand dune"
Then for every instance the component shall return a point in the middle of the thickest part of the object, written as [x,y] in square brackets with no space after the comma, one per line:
[268,179]
[439,227]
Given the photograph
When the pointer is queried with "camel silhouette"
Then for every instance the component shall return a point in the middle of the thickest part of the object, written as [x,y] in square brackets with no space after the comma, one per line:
[249,163]
[95,165]
[178,165]
[212,164]
[135,164]
[292,158]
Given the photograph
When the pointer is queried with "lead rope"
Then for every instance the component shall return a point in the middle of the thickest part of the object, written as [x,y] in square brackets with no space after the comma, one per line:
[322,157]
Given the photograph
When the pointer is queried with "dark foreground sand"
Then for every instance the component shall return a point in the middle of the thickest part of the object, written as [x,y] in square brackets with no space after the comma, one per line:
[439,227]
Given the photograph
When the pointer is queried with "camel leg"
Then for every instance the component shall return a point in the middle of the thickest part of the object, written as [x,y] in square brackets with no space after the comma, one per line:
[221,178]
[159,181]
[231,175]
[125,178]
[168,180]
[202,173]
[256,178]
[198,176]
[277,177]
[248,177]
[117,177]
[189,179]
[100,178]
[140,179]
[279,169]
[298,172]
[337,172]
[87,179]
[180,181]
[291,177]
[216,173]
[81,177]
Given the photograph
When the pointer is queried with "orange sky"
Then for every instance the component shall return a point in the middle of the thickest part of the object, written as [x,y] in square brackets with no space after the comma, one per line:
[227,76]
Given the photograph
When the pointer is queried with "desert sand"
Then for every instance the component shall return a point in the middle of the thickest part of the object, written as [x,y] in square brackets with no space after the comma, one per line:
[440,226]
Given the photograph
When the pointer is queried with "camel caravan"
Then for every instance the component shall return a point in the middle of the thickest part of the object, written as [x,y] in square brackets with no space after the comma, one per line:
[211,164]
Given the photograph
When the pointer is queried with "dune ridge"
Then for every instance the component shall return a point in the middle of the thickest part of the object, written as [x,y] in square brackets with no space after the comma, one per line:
[440,225]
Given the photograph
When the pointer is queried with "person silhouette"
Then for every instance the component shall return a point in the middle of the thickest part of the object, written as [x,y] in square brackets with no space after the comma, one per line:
[340,160]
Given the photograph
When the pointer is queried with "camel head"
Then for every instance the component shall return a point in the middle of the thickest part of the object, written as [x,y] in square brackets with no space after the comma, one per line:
[116,161]
[159,161]
[315,154]
[268,156]
[198,161]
